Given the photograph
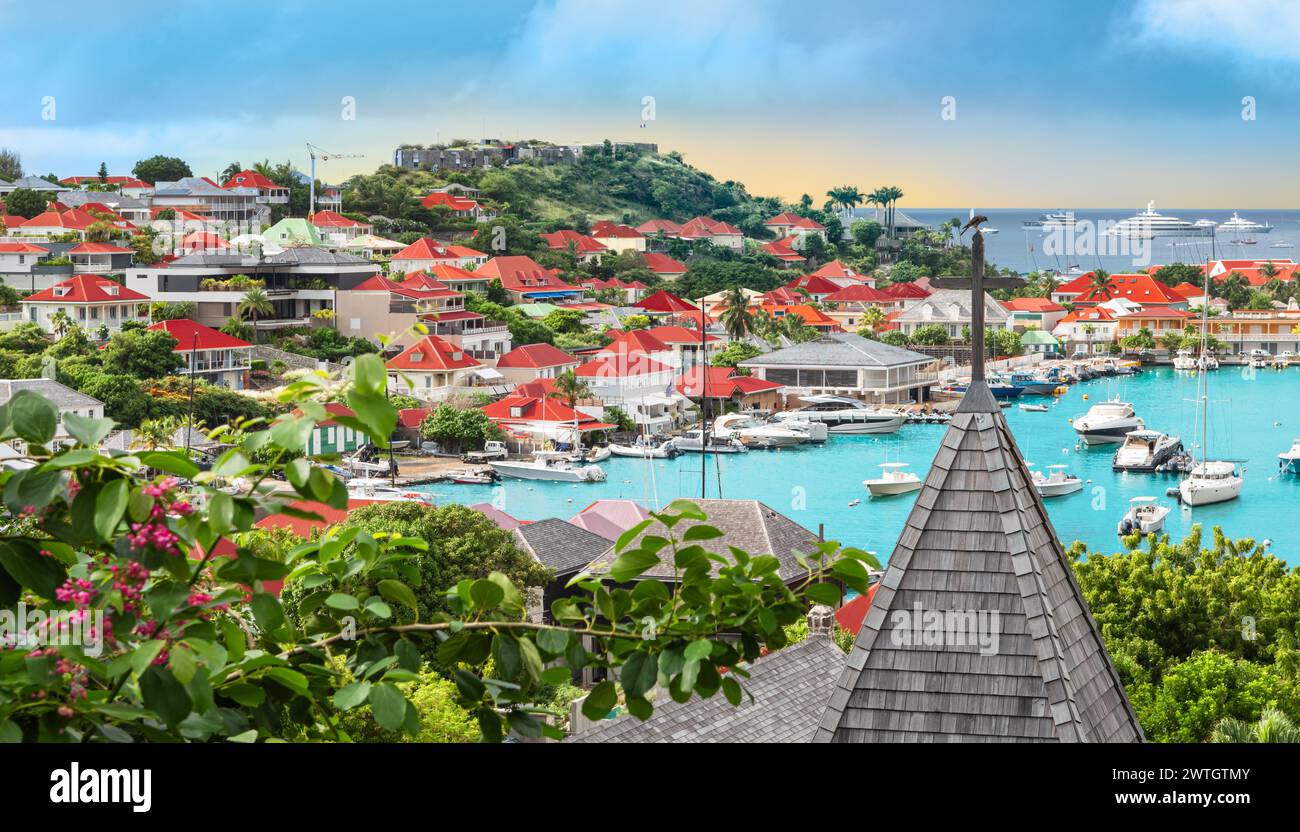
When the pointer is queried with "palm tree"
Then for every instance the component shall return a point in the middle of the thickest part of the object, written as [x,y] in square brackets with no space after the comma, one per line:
[1273,726]
[60,323]
[156,433]
[1268,270]
[872,318]
[892,195]
[236,328]
[1100,284]
[570,389]
[880,199]
[255,304]
[736,318]
[1088,330]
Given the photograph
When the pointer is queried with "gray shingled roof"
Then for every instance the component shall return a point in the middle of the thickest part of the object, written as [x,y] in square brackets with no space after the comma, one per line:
[979,539]
[839,349]
[560,545]
[310,255]
[75,199]
[942,302]
[749,525]
[197,185]
[788,687]
[35,183]
[58,394]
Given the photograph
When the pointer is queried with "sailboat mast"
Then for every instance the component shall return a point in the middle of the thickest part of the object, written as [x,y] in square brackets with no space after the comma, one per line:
[704,416]
[1205,374]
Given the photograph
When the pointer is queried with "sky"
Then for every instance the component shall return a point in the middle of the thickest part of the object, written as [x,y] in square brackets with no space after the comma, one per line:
[1100,104]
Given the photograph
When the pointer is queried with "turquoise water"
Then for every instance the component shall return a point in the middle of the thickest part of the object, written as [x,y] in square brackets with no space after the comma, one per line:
[814,485]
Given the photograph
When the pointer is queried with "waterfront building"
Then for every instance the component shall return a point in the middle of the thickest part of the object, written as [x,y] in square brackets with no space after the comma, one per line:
[844,364]
[951,310]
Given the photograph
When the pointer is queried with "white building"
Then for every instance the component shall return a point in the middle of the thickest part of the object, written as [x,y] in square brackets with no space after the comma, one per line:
[89,301]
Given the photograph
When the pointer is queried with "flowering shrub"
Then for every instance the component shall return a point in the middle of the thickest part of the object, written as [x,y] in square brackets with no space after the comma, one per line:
[134,604]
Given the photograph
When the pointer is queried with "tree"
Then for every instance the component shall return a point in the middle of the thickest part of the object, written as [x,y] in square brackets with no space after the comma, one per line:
[865,232]
[736,318]
[161,169]
[873,318]
[255,304]
[734,353]
[157,433]
[1099,285]
[124,401]
[230,170]
[1273,726]
[103,173]
[25,203]
[11,165]
[933,335]
[144,353]
[60,323]
[1140,340]
[570,389]
[236,328]
[460,429]
[632,322]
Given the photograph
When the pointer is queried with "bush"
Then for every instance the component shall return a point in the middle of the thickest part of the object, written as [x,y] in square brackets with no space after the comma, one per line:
[440,718]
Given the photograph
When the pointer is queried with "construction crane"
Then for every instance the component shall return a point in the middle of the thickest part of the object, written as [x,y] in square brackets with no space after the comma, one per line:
[317,153]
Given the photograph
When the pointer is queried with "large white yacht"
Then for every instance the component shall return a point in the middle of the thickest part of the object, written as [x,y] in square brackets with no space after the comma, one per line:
[548,465]
[1210,482]
[754,433]
[1150,224]
[1054,220]
[1109,421]
[844,415]
[1238,225]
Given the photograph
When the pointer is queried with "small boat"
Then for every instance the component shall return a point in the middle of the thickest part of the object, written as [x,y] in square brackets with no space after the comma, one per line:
[1145,515]
[472,476]
[647,449]
[381,490]
[590,455]
[1057,483]
[548,465]
[1032,385]
[1281,244]
[1184,359]
[1207,362]
[999,389]
[1107,422]
[1210,482]
[1289,460]
[1145,451]
[893,480]
[755,434]
[692,441]
[1034,408]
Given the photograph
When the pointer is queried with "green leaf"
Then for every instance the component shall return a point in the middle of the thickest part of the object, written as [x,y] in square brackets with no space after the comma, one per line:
[142,657]
[389,706]
[485,594]
[42,575]
[631,564]
[376,414]
[291,679]
[350,696]
[731,690]
[221,512]
[698,649]
[553,641]
[247,736]
[173,462]
[531,658]
[165,696]
[250,696]
[701,533]
[268,612]
[139,505]
[110,505]
[33,417]
[87,431]
[628,536]
[600,701]
[639,673]
[828,594]
[10,732]
[369,374]
[639,707]
[342,601]
[399,593]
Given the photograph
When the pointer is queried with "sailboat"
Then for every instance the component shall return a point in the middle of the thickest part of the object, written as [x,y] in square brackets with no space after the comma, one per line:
[1209,481]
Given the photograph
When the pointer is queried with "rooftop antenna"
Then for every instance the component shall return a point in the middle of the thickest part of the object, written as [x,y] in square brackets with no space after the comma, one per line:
[317,153]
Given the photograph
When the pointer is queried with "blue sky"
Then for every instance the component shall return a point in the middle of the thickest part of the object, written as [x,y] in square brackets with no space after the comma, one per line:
[1094,104]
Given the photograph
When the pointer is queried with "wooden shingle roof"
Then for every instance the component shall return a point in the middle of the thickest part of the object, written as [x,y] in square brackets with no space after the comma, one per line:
[979,539]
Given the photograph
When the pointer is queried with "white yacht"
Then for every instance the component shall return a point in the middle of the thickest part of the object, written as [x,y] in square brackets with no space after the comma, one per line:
[841,414]
[1184,359]
[1210,482]
[1239,225]
[1144,515]
[647,449]
[548,465]
[1107,422]
[753,433]
[693,441]
[1289,460]
[1207,362]
[1055,219]
[1057,483]
[1145,450]
[383,490]
[1150,224]
[893,480]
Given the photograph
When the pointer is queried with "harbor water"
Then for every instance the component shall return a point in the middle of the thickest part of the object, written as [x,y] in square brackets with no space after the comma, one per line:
[1253,417]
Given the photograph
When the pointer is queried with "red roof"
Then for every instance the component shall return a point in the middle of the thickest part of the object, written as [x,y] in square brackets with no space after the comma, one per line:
[91,180]
[202,240]
[659,227]
[676,335]
[814,284]
[1139,288]
[86,288]
[610,230]
[782,250]
[12,220]
[520,273]
[533,409]
[432,354]
[75,220]
[560,241]
[1187,290]
[780,296]
[333,219]
[418,286]
[662,301]
[721,383]
[905,291]
[427,248]
[188,216]
[303,528]
[1077,286]
[448,200]
[851,615]
[811,317]
[22,248]
[195,336]
[250,179]
[792,219]
[707,227]
[538,388]
[445,273]
[620,365]
[536,356]
[662,263]
[860,293]
[1032,305]
[597,284]
[836,270]
[1091,313]
[411,417]
[99,248]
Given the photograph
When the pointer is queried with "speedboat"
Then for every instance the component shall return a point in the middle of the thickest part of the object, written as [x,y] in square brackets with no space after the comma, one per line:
[1145,450]
[693,441]
[647,449]
[1032,385]
[552,466]
[814,432]
[1184,359]
[1281,244]
[591,455]
[753,433]
[1207,362]
[841,414]
[381,490]
[1238,225]
[1210,482]
[1034,408]
[1107,422]
[472,476]
[1057,483]
[1289,460]
[1000,389]
[893,480]
[1144,515]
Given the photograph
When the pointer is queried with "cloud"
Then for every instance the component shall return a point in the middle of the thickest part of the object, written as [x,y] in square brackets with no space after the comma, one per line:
[1251,31]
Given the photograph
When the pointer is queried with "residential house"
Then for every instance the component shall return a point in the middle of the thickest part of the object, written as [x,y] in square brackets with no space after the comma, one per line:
[838,272]
[708,229]
[618,238]
[372,247]
[663,266]
[816,287]
[850,307]
[626,377]
[659,228]
[267,191]
[292,232]
[532,421]
[17,265]
[811,316]
[329,437]
[100,258]
[526,280]
[458,206]
[381,306]
[1158,320]
[784,251]
[629,292]
[1273,330]
[32,183]
[460,279]
[1033,313]
[584,248]
[429,367]
[131,209]
[210,355]
[609,518]
[563,548]
[87,300]
[727,389]
[1089,330]
[339,229]
[65,400]
[426,253]
[533,361]
[689,346]
[794,227]
[907,294]
[1142,289]
[53,224]
[234,203]
[950,309]
[1039,341]
[848,365]
[664,304]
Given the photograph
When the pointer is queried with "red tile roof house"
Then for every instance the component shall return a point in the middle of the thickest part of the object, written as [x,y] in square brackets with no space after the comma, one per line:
[16,261]
[661,265]
[618,238]
[458,206]
[1142,289]
[719,233]
[1091,329]
[527,281]
[629,291]
[534,361]
[266,189]
[816,286]
[724,386]
[382,306]
[630,379]
[685,343]
[56,224]
[535,419]
[426,252]
[784,251]
[849,305]
[431,369]
[665,303]
[90,301]
[100,258]
[339,229]
[1160,320]
[837,272]
[584,248]
[659,228]
[1033,313]
[210,355]
[794,226]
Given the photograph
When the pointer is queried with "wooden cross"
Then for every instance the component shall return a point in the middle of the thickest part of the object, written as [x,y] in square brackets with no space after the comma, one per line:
[977,283]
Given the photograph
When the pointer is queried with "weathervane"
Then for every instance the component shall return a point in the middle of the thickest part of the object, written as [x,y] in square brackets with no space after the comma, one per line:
[977,283]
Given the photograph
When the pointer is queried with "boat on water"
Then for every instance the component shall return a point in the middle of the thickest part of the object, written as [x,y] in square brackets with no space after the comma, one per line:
[1145,515]
[1107,422]
[693,442]
[1031,384]
[1034,408]
[552,466]
[999,389]
[754,433]
[893,480]
[1145,450]
[1050,221]
[1281,244]
[1246,242]
[1207,362]
[1238,225]
[1057,483]
[1210,482]
[473,476]
[1289,460]
[382,490]
[841,414]
[1149,224]
[1184,359]
[588,456]
[647,449]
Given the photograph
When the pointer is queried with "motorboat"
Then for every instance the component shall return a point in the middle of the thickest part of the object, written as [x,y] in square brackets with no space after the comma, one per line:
[1053,220]
[1281,244]
[552,466]
[893,480]
[383,490]
[1144,515]
[1056,483]
[1032,385]
[472,476]
[754,433]
[1238,225]
[1289,460]
[1207,362]
[1145,451]
[841,414]
[590,455]
[693,441]
[1000,389]
[1107,422]
[1210,482]
[1034,408]
[1149,223]
[647,449]
[1184,359]
[809,432]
